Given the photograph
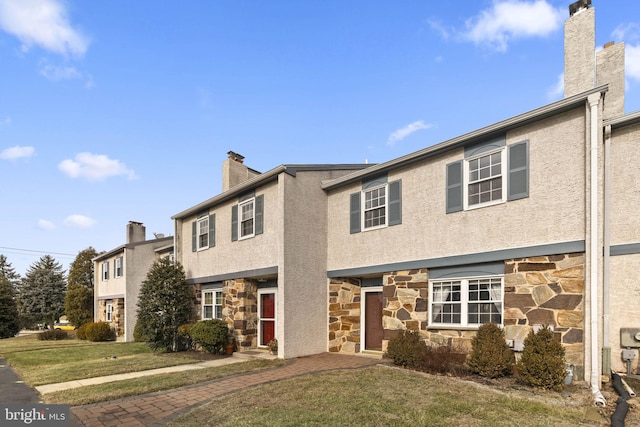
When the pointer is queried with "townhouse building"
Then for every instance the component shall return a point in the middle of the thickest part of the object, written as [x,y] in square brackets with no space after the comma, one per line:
[118,277]
[256,254]
[527,222]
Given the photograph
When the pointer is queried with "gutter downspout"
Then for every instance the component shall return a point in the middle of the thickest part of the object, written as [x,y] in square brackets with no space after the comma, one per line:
[594,101]
[606,347]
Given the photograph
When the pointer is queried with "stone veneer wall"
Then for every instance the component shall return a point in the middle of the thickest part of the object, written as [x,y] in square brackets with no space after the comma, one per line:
[117,315]
[539,290]
[547,290]
[239,310]
[344,315]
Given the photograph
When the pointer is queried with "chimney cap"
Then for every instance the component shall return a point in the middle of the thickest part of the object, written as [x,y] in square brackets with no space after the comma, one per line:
[235,156]
[578,6]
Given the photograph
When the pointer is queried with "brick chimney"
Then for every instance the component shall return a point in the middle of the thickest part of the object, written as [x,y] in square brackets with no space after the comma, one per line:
[136,232]
[235,172]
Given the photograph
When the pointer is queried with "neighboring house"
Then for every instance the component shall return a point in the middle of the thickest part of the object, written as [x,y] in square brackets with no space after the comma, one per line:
[529,221]
[118,276]
[256,254]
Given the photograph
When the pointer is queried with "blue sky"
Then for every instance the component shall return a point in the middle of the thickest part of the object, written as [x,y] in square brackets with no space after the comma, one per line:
[112,111]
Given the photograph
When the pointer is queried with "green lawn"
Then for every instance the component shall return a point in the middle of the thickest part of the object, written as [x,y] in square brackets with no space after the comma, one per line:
[48,362]
[377,396]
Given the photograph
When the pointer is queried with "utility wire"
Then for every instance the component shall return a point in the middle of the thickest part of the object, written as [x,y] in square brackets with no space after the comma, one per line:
[36,252]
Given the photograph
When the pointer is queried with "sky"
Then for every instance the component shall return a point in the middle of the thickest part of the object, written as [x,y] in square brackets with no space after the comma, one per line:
[117,111]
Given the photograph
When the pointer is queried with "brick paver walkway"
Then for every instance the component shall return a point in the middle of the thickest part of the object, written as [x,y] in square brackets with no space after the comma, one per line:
[157,409]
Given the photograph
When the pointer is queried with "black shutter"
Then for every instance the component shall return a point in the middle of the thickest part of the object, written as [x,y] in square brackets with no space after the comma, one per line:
[234,223]
[212,230]
[194,236]
[259,214]
[454,187]
[354,219]
[395,202]
[518,184]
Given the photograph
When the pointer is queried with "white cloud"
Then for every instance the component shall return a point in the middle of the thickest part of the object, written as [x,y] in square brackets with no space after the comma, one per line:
[43,23]
[557,90]
[404,132]
[94,167]
[57,73]
[17,152]
[45,224]
[79,221]
[439,28]
[632,62]
[6,121]
[512,19]
[629,32]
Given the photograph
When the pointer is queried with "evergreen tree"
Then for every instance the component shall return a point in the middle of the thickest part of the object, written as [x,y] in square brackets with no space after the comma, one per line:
[41,291]
[8,272]
[164,304]
[78,300]
[9,325]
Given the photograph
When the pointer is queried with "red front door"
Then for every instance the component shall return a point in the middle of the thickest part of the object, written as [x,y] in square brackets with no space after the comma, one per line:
[267,318]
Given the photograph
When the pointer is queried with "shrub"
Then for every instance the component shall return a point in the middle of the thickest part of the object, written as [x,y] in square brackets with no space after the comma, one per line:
[184,337]
[406,349]
[138,333]
[99,331]
[211,335]
[52,334]
[81,332]
[542,362]
[490,355]
[443,359]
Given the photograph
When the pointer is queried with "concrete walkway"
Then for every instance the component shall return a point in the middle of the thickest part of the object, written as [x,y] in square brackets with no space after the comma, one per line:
[237,357]
[158,409]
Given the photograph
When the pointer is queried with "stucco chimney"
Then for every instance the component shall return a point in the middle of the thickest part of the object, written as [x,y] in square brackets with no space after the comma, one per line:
[610,69]
[579,49]
[235,172]
[136,232]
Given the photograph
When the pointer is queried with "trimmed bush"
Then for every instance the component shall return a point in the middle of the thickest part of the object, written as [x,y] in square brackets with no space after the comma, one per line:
[490,355]
[443,359]
[52,334]
[81,332]
[99,331]
[406,349]
[542,362]
[211,335]
[138,333]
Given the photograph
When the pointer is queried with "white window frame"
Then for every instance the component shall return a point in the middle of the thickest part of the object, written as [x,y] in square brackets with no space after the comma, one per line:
[465,301]
[109,312]
[383,206]
[117,267]
[216,303]
[467,179]
[241,219]
[104,271]
[202,231]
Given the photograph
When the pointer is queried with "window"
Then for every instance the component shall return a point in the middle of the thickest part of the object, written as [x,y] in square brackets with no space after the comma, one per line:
[203,232]
[105,270]
[381,204]
[375,207]
[490,173]
[485,179]
[109,312]
[466,302]
[117,267]
[211,304]
[247,217]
